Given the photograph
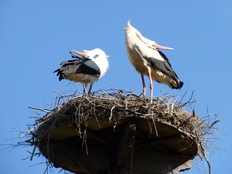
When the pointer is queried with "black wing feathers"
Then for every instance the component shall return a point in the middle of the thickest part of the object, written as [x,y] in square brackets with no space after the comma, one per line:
[82,66]
[89,67]
[163,66]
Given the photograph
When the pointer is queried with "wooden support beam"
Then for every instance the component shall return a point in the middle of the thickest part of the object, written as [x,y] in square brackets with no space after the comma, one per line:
[131,160]
[126,143]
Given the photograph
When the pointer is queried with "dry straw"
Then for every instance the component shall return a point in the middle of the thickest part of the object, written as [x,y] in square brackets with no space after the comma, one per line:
[117,105]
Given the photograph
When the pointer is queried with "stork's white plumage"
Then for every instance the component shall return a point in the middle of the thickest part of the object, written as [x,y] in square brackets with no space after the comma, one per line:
[145,56]
[87,69]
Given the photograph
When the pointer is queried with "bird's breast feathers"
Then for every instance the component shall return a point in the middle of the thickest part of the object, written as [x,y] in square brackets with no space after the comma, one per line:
[83,78]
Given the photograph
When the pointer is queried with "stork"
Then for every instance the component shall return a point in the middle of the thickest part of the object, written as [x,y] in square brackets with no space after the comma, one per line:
[91,66]
[145,56]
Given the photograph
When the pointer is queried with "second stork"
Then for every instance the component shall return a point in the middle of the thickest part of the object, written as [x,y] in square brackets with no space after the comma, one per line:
[145,56]
[87,69]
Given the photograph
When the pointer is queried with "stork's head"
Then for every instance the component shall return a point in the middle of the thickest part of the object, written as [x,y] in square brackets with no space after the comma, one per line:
[130,28]
[128,24]
[148,42]
[90,54]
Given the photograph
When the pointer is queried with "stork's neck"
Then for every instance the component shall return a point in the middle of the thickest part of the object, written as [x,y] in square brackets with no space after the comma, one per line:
[103,64]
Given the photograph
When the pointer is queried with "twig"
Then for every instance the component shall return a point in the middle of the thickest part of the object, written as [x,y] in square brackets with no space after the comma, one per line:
[120,104]
[40,109]
[62,95]
[184,93]
[33,151]
[111,113]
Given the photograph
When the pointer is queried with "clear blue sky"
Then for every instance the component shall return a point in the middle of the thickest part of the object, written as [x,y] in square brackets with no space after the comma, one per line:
[35,36]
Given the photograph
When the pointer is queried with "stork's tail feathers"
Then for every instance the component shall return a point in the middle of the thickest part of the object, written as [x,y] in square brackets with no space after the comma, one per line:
[59,73]
[179,85]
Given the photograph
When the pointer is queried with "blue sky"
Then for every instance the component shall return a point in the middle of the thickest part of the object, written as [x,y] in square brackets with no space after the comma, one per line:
[35,36]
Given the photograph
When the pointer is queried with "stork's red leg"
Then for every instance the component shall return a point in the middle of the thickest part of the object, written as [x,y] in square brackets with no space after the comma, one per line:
[84,88]
[90,88]
[151,83]
[144,85]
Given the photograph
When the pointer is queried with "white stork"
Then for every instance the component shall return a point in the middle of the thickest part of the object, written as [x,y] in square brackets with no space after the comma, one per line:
[145,56]
[86,69]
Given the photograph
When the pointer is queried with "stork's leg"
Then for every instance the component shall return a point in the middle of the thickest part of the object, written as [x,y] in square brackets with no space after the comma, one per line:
[90,88]
[84,88]
[144,85]
[151,83]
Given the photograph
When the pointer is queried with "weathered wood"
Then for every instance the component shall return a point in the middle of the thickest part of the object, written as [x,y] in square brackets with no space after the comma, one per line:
[97,157]
[58,132]
[160,162]
[183,167]
[126,142]
[97,138]
[153,141]
[131,160]
[77,158]
[129,148]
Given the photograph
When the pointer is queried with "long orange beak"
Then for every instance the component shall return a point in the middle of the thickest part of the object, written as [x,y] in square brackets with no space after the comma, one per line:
[83,54]
[160,47]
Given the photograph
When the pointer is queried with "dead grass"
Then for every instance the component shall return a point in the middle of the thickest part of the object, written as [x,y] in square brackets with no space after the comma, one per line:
[116,105]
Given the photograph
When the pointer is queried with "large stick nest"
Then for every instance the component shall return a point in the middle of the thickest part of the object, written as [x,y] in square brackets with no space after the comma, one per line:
[118,105]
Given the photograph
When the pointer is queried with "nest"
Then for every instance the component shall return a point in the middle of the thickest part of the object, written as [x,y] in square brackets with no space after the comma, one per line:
[163,125]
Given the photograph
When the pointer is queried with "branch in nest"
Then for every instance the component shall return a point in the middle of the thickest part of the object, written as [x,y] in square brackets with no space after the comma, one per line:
[40,109]
[165,109]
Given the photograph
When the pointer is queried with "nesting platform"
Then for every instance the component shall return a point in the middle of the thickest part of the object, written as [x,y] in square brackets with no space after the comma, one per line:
[112,134]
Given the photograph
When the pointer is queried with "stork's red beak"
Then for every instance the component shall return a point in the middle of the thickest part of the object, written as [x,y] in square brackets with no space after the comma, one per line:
[160,47]
[83,54]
